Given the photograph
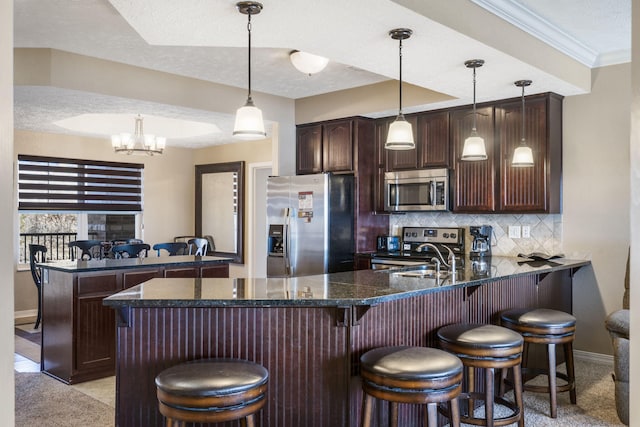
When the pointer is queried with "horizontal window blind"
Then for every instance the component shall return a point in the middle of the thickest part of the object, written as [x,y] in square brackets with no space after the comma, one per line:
[58,184]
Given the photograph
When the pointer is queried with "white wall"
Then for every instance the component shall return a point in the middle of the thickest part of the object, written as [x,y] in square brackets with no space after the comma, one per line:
[7,214]
[596,199]
[634,383]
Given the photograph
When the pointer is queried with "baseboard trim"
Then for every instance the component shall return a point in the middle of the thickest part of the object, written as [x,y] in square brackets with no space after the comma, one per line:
[25,316]
[588,356]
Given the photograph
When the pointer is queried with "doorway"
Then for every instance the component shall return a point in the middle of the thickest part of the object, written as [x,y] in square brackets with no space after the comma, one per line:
[257,250]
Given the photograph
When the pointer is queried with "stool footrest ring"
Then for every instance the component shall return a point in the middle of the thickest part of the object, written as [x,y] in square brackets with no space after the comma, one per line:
[502,421]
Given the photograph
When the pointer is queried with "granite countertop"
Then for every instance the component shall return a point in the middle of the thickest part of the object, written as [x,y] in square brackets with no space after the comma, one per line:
[361,287]
[124,263]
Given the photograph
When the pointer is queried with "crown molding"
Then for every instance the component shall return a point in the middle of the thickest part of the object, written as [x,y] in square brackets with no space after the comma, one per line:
[523,18]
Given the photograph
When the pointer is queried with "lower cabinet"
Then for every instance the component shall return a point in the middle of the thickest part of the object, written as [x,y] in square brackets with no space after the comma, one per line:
[78,331]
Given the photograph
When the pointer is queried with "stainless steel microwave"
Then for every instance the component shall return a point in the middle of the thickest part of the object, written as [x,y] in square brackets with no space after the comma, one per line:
[416,190]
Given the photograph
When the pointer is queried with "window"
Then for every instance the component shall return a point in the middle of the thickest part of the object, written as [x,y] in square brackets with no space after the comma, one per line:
[61,200]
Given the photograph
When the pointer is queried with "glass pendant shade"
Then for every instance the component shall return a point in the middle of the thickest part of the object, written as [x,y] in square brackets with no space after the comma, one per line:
[400,136]
[308,63]
[522,156]
[249,124]
[474,148]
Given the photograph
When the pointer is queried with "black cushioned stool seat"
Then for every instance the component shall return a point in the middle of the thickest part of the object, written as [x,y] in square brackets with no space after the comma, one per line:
[417,375]
[212,391]
[490,347]
[548,327]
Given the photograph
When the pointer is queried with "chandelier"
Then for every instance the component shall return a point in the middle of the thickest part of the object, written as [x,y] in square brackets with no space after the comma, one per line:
[138,143]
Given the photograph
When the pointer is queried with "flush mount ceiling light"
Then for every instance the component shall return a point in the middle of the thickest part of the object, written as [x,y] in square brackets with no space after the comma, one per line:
[474,148]
[308,63]
[400,136]
[522,155]
[249,124]
[138,143]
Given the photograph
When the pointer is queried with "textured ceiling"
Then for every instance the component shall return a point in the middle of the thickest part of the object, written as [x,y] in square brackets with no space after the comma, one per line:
[206,40]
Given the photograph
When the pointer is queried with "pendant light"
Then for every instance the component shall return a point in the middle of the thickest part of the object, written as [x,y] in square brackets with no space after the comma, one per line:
[522,156]
[474,148]
[249,124]
[400,136]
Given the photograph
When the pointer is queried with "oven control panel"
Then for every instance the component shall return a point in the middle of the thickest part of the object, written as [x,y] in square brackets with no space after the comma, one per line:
[449,236]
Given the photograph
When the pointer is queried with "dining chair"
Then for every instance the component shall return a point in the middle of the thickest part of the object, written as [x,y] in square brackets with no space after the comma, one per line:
[198,246]
[88,248]
[174,248]
[135,250]
[37,255]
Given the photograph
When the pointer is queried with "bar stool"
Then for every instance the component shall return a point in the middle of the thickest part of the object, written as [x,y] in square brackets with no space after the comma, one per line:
[490,347]
[548,327]
[212,391]
[417,375]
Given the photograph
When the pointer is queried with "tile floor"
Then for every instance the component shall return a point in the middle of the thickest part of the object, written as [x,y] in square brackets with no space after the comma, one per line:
[27,359]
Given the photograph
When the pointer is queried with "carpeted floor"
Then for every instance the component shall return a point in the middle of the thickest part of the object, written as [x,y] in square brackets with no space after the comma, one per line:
[42,401]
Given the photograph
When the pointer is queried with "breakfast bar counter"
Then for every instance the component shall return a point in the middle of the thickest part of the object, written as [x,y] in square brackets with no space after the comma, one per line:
[310,332]
[78,332]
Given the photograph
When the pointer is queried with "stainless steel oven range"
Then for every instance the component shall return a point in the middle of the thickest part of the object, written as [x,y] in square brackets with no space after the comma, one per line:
[419,246]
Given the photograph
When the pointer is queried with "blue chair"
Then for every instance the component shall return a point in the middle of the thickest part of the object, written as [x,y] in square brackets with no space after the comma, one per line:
[37,255]
[175,248]
[90,249]
[136,250]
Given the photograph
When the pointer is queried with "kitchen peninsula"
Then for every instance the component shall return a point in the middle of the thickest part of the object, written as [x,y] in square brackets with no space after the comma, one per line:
[309,332]
[78,332]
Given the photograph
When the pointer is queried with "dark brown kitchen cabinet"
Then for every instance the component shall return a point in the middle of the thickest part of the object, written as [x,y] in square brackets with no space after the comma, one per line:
[308,149]
[433,140]
[536,188]
[382,127]
[473,182]
[337,146]
[326,147]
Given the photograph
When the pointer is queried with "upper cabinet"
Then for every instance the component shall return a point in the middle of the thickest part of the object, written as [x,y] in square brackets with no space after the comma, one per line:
[433,140]
[308,149]
[493,185]
[326,147]
[537,188]
[473,182]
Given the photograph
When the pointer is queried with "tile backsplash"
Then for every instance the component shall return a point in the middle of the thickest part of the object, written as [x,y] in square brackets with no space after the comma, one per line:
[546,229]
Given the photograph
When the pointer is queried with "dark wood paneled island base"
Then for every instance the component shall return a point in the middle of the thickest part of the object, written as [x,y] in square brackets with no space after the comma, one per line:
[78,332]
[309,332]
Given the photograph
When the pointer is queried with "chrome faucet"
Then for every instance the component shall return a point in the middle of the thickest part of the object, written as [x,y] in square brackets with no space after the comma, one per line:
[451,264]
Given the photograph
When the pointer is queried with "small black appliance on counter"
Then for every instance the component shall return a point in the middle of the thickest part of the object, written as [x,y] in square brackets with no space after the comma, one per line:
[388,244]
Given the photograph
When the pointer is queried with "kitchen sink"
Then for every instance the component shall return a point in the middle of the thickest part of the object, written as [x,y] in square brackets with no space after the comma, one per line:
[425,271]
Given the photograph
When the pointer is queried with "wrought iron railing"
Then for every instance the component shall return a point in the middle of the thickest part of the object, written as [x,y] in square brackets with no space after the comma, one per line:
[57,245]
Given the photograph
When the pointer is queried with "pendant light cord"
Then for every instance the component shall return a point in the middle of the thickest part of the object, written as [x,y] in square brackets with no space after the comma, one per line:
[523,122]
[474,98]
[400,82]
[249,100]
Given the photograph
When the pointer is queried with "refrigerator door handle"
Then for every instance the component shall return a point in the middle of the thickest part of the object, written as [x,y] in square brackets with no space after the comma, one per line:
[287,242]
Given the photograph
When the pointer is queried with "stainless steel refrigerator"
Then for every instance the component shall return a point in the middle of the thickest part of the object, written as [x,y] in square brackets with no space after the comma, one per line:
[310,223]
